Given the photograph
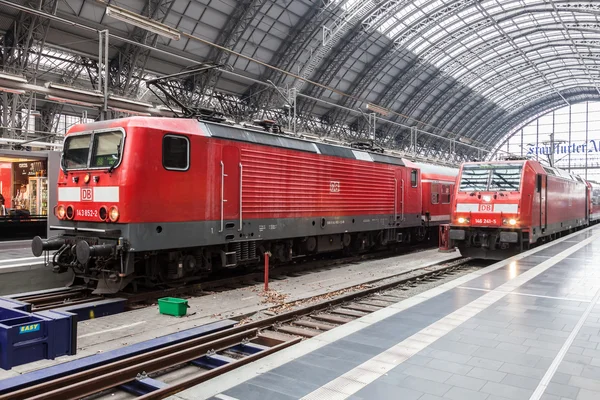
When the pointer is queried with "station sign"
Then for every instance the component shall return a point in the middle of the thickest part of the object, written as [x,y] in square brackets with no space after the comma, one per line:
[592,146]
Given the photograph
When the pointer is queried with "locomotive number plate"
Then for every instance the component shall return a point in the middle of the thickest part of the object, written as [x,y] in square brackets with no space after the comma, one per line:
[87,213]
[486,221]
[486,207]
[334,186]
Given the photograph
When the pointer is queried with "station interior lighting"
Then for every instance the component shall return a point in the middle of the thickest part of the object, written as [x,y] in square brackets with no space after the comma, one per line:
[52,85]
[11,90]
[11,77]
[124,110]
[142,22]
[70,101]
[130,101]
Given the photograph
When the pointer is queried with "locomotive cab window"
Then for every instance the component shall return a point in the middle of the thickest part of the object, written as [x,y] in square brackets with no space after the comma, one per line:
[76,151]
[96,150]
[413,178]
[491,177]
[107,149]
[176,153]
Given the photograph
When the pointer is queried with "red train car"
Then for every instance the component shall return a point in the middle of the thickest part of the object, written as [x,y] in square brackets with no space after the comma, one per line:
[166,199]
[438,184]
[501,208]
[594,196]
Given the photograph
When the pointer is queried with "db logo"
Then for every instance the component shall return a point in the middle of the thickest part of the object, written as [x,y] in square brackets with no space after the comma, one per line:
[486,207]
[334,186]
[86,194]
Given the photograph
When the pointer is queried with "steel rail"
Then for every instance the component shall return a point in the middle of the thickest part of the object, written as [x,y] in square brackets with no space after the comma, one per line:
[195,380]
[107,376]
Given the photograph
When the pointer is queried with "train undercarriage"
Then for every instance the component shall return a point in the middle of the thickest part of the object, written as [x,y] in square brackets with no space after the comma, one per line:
[108,266]
[489,243]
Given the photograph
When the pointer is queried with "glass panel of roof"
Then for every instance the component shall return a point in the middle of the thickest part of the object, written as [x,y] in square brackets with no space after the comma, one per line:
[477,57]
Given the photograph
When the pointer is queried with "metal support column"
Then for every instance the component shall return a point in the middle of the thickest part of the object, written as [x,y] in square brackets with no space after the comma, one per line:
[552,142]
[413,139]
[521,142]
[569,138]
[292,96]
[372,121]
[537,139]
[587,104]
[103,66]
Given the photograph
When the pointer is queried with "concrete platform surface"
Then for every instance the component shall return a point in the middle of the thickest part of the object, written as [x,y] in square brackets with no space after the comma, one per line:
[108,333]
[21,272]
[524,328]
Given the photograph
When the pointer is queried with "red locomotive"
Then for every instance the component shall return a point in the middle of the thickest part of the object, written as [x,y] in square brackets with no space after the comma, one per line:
[501,208]
[169,199]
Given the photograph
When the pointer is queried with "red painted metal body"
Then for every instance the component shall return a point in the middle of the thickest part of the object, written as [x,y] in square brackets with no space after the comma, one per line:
[242,193]
[277,182]
[496,223]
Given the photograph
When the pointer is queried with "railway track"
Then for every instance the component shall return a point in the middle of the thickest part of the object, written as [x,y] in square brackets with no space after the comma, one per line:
[81,295]
[207,357]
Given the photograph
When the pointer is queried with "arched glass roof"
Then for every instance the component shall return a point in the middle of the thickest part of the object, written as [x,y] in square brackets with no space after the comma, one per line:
[470,70]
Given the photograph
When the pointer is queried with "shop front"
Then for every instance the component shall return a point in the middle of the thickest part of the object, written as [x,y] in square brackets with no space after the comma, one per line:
[24,190]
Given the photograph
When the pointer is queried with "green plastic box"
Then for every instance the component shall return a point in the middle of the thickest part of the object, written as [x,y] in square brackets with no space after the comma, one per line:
[173,306]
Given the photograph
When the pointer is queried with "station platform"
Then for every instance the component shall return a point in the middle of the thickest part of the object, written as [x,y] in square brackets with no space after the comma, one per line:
[524,328]
[20,271]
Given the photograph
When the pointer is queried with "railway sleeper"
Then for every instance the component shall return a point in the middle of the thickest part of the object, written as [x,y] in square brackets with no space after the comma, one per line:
[335,319]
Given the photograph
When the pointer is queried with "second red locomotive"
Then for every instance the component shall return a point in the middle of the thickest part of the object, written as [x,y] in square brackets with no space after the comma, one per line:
[168,199]
[501,208]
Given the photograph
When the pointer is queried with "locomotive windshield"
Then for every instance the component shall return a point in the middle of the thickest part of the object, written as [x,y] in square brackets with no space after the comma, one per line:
[105,150]
[491,177]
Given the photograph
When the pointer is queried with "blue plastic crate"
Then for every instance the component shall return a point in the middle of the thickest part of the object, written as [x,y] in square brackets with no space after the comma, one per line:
[26,337]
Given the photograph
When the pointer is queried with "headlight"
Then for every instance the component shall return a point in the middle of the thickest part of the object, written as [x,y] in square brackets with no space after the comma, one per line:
[60,212]
[512,221]
[487,198]
[113,214]
[462,220]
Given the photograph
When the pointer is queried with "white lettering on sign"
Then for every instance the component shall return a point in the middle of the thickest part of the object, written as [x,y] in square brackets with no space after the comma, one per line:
[486,207]
[334,186]
[87,213]
[86,194]
[486,221]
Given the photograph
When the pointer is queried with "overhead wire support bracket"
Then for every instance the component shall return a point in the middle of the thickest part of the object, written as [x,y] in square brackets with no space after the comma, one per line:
[161,83]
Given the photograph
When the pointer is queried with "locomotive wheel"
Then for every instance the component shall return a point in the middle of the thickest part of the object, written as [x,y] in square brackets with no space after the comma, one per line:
[347,239]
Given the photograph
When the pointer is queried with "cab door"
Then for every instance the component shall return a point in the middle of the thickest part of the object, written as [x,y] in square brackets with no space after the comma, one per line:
[231,181]
[542,183]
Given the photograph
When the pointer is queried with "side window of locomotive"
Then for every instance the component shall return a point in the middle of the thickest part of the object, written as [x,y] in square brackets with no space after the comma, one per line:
[176,153]
[107,149]
[413,178]
[435,195]
[445,194]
